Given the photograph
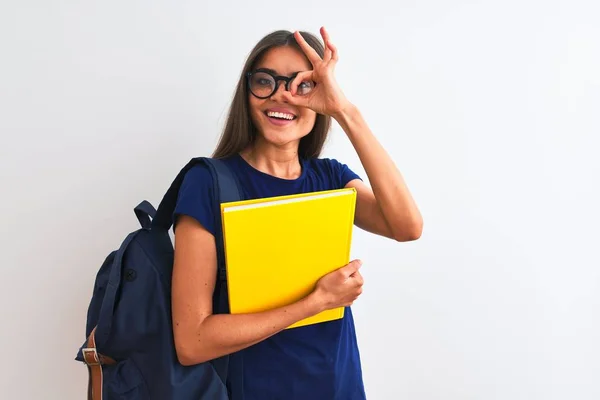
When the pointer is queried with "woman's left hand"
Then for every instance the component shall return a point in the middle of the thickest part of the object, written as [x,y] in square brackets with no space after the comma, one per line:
[327,97]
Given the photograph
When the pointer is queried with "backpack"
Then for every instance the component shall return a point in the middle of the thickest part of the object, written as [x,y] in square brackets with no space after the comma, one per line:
[129,348]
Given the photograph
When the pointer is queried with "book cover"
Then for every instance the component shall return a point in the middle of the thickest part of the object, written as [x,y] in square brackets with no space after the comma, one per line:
[276,249]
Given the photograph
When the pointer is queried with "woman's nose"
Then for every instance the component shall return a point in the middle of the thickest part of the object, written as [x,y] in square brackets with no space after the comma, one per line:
[280,88]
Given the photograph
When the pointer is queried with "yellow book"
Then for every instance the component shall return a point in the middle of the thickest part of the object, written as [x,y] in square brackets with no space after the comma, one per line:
[276,249]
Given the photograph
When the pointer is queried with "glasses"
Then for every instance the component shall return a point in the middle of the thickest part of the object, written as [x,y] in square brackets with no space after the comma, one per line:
[262,83]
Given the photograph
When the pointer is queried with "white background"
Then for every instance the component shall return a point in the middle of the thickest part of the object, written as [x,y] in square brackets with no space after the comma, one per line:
[491,110]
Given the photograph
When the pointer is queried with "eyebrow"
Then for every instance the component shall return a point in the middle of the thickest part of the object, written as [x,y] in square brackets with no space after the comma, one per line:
[272,71]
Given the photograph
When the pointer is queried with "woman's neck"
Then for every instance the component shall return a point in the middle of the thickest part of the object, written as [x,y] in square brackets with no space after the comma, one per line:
[279,162]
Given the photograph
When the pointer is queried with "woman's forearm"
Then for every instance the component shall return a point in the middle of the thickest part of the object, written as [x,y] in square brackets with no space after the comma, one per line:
[221,334]
[391,192]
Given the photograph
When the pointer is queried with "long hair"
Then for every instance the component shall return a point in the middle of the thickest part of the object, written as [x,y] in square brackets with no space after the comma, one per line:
[239,131]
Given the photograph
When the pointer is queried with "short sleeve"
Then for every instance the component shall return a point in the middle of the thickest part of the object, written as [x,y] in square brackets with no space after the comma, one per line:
[196,198]
[347,175]
[342,174]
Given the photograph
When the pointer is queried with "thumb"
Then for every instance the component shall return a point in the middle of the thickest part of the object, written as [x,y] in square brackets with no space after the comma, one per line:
[352,267]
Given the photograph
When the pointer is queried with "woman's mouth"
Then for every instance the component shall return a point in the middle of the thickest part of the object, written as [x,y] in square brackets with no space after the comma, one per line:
[280,118]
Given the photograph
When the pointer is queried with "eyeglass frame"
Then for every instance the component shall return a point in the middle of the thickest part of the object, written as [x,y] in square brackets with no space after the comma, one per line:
[276,78]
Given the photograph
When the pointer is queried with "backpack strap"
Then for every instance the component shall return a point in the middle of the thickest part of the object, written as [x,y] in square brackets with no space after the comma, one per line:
[144,212]
[227,189]
[95,361]
[163,218]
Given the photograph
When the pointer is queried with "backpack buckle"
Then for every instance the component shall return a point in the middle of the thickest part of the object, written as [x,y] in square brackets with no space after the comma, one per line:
[90,356]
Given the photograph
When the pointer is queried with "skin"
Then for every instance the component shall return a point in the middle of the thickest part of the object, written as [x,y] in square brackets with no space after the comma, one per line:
[386,209]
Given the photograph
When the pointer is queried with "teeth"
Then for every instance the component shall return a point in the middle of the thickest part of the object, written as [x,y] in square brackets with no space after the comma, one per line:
[280,115]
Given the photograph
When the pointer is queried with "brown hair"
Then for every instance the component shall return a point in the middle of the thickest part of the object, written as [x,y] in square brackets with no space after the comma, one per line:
[239,130]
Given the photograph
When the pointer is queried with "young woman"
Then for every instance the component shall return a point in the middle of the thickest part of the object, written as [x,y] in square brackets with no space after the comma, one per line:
[278,122]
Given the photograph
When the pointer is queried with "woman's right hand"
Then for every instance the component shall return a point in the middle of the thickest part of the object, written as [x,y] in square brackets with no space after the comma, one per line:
[341,287]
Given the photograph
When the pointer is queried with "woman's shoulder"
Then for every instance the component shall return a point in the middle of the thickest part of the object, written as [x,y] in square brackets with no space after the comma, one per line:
[332,169]
[326,163]
[196,197]
[201,175]
[322,161]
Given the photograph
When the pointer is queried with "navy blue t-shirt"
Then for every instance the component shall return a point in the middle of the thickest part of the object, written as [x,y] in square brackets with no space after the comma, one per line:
[314,362]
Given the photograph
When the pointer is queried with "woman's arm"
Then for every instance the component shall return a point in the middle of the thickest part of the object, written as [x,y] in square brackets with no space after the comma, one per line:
[201,336]
[388,209]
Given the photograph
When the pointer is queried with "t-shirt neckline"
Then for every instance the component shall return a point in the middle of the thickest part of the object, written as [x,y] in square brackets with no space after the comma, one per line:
[253,170]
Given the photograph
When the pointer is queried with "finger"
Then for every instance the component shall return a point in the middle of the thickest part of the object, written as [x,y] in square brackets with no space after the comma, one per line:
[330,49]
[334,52]
[301,77]
[352,267]
[328,53]
[311,53]
[358,278]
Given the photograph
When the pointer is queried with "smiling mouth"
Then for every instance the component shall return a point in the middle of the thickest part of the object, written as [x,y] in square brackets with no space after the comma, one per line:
[280,115]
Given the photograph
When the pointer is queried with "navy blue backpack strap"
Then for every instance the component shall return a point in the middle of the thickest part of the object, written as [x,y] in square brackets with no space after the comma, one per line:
[144,212]
[227,189]
[164,213]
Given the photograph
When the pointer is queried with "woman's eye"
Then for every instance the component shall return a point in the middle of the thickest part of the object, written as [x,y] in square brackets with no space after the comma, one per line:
[305,87]
[264,82]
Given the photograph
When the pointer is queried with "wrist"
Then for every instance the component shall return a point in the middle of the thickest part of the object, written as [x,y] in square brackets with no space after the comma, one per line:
[316,302]
[348,117]
[346,114]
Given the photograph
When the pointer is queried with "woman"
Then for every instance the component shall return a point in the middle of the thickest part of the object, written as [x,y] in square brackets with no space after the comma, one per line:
[278,122]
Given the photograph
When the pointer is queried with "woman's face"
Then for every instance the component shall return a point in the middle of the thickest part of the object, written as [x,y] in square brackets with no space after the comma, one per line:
[276,121]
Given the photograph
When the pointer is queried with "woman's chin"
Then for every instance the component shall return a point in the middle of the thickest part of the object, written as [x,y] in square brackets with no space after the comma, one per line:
[281,137]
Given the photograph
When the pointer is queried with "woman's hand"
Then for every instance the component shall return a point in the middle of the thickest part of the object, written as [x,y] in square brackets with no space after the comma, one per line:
[341,287]
[327,97]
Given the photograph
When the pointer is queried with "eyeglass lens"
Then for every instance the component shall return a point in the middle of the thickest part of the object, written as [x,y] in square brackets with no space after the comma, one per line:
[262,84]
